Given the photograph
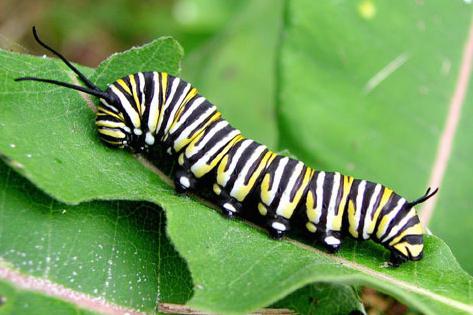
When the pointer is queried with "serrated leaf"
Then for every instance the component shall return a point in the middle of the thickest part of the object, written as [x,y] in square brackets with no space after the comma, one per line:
[235,267]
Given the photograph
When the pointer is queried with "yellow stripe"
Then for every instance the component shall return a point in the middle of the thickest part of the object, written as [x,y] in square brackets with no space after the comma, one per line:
[413,230]
[310,206]
[112,133]
[135,93]
[217,189]
[221,169]
[311,227]
[184,142]
[107,112]
[164,85]
[124,86]
[244,190]
[265,188]
[401,247]
[287,213]
[189,96]
[110,124]
[176,118]
[415,249]
[352,219]
[205,168]
[384,200]
[337,220]
[262,209]
[386,220]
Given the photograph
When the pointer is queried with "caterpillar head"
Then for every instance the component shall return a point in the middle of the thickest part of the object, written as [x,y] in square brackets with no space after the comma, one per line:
[111,121]
[113,125]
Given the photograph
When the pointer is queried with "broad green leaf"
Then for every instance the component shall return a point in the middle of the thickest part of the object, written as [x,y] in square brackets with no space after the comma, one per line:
[235,267]
[236,69]
[117,252]
[365,88]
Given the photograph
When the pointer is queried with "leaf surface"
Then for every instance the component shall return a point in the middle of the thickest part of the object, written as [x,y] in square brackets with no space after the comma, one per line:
[235,267]
[365,88]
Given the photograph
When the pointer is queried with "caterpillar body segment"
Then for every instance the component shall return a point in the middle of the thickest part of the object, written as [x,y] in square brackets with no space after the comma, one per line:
[145,111]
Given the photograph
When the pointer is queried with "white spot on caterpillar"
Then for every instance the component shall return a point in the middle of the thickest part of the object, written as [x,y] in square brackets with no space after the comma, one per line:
[278,226]
[138,132]
[184,181]
[229,207]
[331,240]
[127,129]
[149,138]
[12,145]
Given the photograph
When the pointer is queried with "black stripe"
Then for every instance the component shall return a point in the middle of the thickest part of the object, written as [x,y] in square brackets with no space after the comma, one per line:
[148,90]
[369,190]
[412,221]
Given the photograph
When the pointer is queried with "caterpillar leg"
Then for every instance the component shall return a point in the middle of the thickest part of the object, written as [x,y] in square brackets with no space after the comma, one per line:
[184,181]
[228,205]
[278,227]
[332,241]
[396,258]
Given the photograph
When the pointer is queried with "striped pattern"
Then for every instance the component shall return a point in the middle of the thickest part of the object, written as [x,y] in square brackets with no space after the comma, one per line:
[153,108]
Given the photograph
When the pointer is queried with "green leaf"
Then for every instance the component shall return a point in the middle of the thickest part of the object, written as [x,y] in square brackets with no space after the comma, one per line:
[367,91]
[117,252]
[235,267]
[323,298]
[236,69]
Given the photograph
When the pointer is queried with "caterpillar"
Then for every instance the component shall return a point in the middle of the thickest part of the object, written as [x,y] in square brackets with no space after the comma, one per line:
[148,110]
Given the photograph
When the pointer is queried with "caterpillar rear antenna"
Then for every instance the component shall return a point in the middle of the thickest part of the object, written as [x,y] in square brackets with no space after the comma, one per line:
[92,88]
[425,197]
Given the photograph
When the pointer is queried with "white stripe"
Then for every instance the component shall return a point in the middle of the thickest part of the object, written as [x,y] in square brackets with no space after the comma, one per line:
[285,200]
[240,181]
[369,212]
[209,134]
[175,84]
[359,203]
[192,127]
[141,80]
[154,107]
[333,201]
[390,217]
[319,196]
[193,106]
[277,178]
[217,147]
[236,157]
[113,108]
[395,230]
[176,106]
[129,110]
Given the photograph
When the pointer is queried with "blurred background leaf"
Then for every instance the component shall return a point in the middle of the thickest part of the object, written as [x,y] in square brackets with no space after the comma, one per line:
[366,90]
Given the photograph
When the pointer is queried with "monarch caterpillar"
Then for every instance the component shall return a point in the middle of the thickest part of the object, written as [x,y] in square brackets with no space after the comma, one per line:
[145,111]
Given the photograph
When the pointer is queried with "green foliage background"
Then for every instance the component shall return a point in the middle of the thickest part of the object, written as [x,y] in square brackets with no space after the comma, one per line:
[291,74]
